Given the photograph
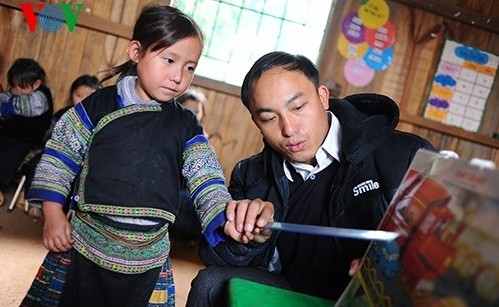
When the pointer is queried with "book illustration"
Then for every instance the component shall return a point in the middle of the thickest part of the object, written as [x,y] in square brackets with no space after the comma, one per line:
[446,212]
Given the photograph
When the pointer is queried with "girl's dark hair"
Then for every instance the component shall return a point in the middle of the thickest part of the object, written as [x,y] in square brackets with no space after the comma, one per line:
[158,27]
[86,80]
[274,59]
[24,73]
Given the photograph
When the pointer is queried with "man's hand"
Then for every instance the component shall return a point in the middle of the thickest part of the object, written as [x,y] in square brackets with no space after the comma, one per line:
[245,219]
[354,267]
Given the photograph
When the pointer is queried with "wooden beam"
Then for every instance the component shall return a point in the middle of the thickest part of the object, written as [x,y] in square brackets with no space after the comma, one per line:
[85,20]
[404,117]
[218,86]
[449,130]
[457,13]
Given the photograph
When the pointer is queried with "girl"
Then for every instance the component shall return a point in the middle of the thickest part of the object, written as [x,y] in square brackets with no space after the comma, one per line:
[80,89]
[132,145]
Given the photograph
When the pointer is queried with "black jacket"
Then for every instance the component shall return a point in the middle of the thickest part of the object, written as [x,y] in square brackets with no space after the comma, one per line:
[371,149]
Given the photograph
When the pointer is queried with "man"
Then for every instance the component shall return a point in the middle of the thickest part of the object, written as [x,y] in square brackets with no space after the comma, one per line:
[332,163]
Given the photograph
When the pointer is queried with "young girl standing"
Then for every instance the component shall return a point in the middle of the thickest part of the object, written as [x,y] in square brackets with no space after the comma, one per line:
[132,145]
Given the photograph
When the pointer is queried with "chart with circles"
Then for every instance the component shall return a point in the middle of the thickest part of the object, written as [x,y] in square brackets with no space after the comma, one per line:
[366,41]
[461,86]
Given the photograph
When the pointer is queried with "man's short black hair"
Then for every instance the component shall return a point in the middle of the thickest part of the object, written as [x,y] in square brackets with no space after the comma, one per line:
[274,59]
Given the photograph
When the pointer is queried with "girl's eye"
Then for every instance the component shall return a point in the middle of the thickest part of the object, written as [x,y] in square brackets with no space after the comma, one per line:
[191,68]
[168,60]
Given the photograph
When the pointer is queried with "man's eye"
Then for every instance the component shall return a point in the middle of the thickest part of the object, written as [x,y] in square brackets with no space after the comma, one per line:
[268,119]
[297,108]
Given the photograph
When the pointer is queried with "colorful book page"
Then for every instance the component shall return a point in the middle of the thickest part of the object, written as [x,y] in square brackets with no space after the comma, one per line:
[446,212]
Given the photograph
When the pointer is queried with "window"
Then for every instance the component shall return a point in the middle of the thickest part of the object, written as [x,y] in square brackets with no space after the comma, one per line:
[238,32]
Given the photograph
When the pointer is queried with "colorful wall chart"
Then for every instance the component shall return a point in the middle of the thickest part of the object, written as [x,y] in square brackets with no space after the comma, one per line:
[461,86]
[365,41]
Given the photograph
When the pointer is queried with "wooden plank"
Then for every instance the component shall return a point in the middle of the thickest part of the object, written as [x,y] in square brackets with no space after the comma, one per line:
[477,19]
[219,86]
[490,117]
[395,79]
[425,47]
[454,131]
[7,40]
[86,20]
[233,134]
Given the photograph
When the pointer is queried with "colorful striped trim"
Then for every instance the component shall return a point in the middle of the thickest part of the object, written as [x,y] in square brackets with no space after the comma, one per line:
[127,211]
[163,294]
[124,112]
[119,250]
[83,115]
[57,154]
[48,284]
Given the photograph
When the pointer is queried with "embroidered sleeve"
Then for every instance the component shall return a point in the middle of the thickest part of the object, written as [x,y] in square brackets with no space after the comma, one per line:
[62,157]
[206,184]
[34,104]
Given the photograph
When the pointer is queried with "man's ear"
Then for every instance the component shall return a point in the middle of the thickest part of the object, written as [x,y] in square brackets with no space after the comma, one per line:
[133,51]
[37,84]
[323,92]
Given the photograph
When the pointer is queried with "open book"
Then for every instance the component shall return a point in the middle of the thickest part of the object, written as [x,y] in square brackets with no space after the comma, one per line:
[447,213]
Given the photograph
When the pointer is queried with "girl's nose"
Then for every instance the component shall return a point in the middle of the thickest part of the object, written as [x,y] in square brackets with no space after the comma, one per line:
[176,75]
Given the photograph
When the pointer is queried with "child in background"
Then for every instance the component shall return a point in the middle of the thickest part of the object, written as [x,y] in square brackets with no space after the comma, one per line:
[25,113]
[80,89]
[135,145]
[194,100]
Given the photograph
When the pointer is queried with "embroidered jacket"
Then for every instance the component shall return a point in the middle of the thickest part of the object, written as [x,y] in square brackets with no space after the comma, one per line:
[131,157]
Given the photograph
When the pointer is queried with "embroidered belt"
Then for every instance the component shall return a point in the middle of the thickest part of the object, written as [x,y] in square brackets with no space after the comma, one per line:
[119,250]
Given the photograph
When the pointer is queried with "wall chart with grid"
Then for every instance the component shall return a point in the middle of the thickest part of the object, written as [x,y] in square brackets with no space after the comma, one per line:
[461,86]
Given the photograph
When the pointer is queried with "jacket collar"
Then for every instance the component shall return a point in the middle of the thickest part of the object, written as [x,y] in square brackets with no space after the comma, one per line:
[366,121]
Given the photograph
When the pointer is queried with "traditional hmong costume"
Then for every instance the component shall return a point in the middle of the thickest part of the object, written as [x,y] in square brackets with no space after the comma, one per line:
[131,157]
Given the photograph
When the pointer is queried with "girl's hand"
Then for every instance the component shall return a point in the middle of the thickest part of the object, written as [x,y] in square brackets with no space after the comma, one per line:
[245,219]
[56,228]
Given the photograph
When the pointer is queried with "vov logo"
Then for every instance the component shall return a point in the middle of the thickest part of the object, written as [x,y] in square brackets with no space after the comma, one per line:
[51,17]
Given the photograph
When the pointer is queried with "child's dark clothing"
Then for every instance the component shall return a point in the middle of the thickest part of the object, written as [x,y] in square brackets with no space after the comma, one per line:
[133,156]
[24,121]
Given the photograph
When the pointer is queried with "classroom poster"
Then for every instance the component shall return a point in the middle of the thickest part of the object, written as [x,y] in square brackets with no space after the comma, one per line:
[366,41]
[461,86]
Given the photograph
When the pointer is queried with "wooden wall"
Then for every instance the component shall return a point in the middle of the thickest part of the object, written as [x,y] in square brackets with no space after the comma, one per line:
[421,30]
[101,37]
[66,55]
[98,43]
[232,133]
